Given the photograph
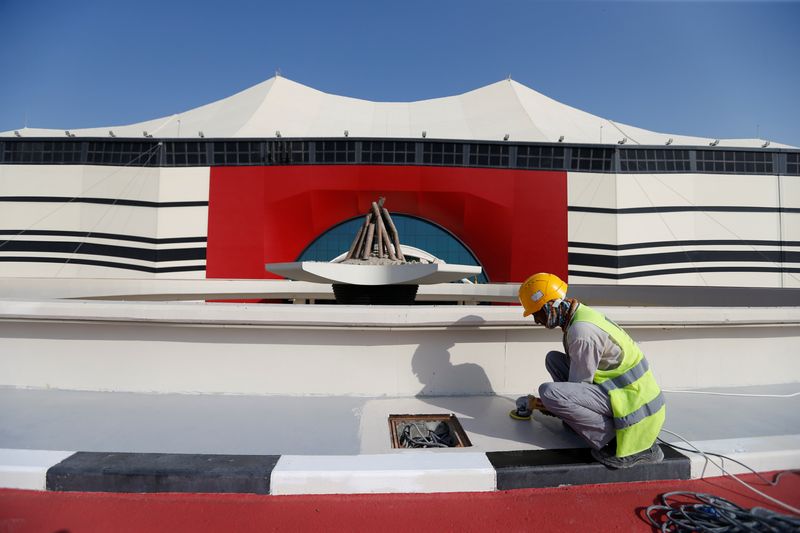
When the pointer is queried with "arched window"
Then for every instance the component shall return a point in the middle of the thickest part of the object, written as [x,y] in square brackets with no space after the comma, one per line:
[416,232]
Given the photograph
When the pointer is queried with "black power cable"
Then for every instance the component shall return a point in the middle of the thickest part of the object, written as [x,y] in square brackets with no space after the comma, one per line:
[709,513]
[425,437]
[762,478]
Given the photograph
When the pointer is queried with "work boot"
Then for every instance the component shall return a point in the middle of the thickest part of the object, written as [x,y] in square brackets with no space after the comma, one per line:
[607,456]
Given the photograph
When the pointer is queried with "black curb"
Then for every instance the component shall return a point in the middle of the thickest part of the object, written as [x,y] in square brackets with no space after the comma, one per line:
[527,469]
[162,472]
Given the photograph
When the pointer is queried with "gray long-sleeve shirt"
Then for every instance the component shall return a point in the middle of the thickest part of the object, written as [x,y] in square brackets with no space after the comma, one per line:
[589,348]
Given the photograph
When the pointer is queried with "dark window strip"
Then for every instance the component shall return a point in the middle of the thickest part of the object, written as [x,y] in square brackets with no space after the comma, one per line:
[202,152]
[667,271]
[682,208]
[97,235]
[109,264]
[104,201]
[688,256]
[108,250]
[663,244]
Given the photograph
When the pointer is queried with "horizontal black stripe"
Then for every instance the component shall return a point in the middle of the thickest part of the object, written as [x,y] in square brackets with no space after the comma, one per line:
[88,248]
[689,256]
[698,270]
[682,208]
[98,235]
[104,201]
[109,264]
[663,244]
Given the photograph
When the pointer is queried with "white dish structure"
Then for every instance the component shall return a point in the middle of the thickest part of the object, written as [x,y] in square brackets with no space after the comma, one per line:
[373,274]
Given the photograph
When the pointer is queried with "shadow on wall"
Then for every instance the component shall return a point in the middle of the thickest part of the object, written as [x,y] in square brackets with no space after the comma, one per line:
[465,389]
[439,376]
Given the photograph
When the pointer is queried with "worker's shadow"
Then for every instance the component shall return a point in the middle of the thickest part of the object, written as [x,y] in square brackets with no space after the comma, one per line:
[460,388]
[432,366]
[465,389]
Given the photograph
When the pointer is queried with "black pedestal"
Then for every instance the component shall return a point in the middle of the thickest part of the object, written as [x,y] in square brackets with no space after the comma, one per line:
[374,294]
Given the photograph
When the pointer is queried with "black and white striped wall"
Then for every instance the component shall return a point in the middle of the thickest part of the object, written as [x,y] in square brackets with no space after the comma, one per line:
[684,229]
[102,221]
[623,228]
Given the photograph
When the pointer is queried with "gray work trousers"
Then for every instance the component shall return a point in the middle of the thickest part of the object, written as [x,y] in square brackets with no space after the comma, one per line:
[582,406]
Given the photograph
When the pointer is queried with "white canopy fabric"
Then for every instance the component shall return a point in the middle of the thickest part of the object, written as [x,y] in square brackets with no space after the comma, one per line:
[486,114]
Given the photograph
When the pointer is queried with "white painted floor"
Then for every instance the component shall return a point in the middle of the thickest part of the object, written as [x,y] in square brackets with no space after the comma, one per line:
[130,422]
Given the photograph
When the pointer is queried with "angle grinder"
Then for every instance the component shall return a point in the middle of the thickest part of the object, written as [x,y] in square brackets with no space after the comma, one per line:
[526,405]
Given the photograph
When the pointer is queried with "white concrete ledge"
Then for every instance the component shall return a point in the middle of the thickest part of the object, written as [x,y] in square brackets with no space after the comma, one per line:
[394,317]
[135,289]
[418,471]
[27,469]
[763,454]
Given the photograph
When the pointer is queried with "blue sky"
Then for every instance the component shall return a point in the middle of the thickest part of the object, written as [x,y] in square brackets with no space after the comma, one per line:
[716,69]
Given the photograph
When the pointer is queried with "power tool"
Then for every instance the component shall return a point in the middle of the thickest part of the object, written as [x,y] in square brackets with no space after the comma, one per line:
[526,405]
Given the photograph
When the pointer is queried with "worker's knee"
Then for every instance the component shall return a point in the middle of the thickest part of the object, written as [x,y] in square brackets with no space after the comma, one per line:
[551,395]
[553,358]
[557,365]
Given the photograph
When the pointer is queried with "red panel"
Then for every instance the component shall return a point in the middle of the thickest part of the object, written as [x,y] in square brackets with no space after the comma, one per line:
[514,221]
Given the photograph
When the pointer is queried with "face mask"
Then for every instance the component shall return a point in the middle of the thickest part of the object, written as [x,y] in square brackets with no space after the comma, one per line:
[556,313]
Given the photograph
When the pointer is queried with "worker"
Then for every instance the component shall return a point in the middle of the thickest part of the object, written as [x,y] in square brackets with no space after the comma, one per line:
[602,387]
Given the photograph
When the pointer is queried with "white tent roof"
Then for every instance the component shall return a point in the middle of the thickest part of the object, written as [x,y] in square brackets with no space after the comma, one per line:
[488,113]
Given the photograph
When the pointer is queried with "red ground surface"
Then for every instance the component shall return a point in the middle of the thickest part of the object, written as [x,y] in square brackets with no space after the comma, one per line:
[585,508]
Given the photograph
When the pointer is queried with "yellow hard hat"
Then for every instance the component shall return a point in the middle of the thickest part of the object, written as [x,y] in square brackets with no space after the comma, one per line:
[539,289]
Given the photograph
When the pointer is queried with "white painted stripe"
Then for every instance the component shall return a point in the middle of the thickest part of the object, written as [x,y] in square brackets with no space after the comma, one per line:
[103,240]
[417,471]
[106,258]
[27,469]
[683,264]
[683,248]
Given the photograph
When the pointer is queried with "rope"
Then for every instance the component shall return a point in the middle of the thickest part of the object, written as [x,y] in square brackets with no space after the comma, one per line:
[674,237]
[741,394]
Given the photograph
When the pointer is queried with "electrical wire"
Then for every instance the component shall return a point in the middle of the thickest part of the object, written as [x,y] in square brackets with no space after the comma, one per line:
[723,457]
[426,437]
[714,514]
[745,395]
[695,449]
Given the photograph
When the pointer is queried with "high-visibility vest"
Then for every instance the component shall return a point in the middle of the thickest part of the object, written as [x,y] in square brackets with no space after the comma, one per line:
[636,401]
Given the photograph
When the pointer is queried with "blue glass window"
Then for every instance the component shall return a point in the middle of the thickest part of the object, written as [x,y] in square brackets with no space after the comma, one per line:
[413,232]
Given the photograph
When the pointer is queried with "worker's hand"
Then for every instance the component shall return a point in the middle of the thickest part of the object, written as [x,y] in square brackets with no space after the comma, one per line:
[537,404]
